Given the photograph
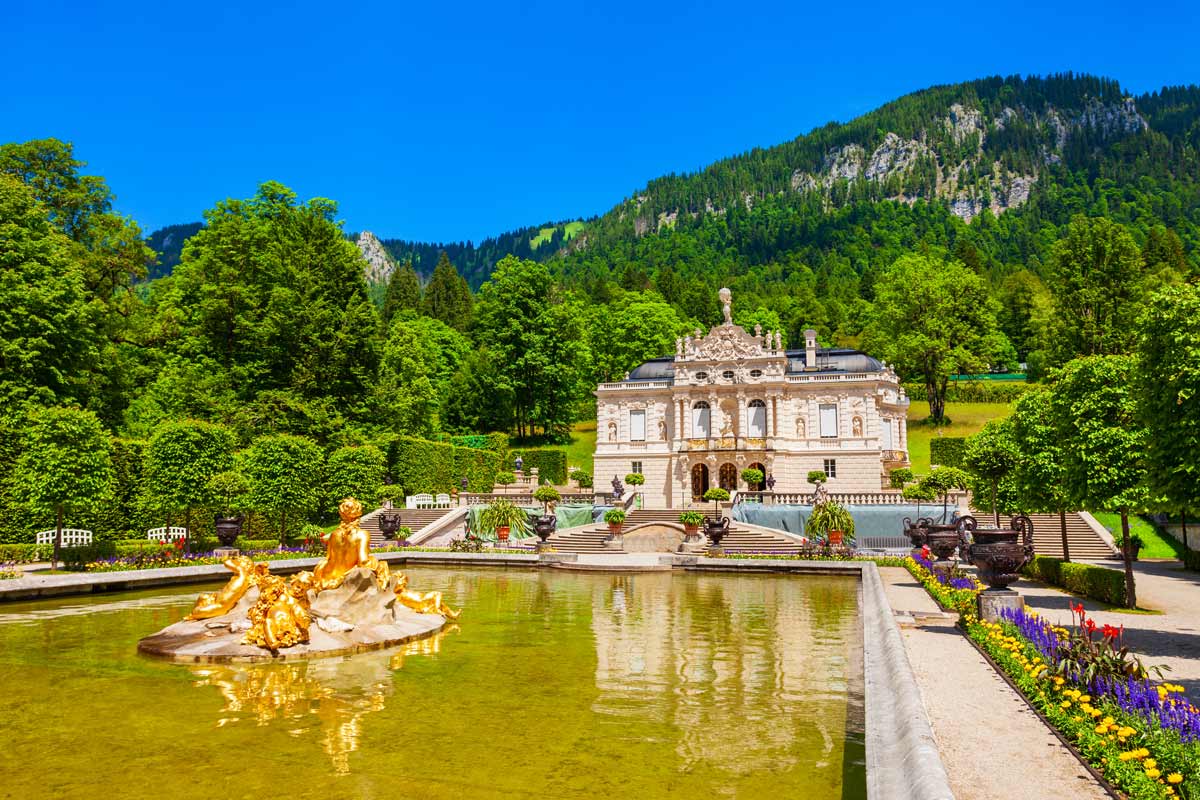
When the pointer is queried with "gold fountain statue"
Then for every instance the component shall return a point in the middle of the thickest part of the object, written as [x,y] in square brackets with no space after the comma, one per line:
[280,617]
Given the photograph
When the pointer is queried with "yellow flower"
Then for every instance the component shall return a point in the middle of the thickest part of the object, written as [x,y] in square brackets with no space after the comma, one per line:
[1065,704]
[1101,729]
[1174,777]
[1150,763]
[1142,752]
[1152,773]
[1128,755]
[1087,698]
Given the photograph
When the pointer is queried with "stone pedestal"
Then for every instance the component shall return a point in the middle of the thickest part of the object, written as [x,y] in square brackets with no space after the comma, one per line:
[614,542]
[226,552]
[716,551]
[993,601]
[544,547]
[942,568]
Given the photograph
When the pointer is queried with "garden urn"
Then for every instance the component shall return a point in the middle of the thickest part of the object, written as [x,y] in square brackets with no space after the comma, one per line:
[389,523]
[999,553]
[715,530]
[228,529]
[544,526]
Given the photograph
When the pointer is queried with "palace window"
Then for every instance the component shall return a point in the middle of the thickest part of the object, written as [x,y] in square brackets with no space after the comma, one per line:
[888,436]
[756,373]
[829,421]
[701,376]
[636,466]
[831,467]
[700,419]
[727,374]
[758,419]
[637,426]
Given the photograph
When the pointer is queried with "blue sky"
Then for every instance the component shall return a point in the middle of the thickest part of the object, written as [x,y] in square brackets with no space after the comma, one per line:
[450,121]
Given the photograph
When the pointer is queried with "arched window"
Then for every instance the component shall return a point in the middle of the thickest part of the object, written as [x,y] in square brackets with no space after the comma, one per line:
[701,376]
[758,419]
[756,373]
[727,374]
[700,420]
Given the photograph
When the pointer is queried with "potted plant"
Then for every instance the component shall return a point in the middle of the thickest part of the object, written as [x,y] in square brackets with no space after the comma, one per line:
[500,516]
[636,479]
[831,522]
[753,478]
[691,521]
[1136,543]
[231,490]
[391,495]
[544,525]
[582,479]
[615,518]
[402,534]
[505,479]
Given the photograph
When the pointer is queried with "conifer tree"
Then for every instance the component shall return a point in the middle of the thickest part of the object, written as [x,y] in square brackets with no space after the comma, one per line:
[447,297]
[403,292]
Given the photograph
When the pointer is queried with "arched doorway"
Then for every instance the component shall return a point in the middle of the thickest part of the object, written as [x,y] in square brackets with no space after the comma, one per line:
[699,481]
[727,476]
[757,487]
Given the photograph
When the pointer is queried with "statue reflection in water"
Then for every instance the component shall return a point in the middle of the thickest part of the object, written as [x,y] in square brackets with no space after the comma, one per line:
[337,692]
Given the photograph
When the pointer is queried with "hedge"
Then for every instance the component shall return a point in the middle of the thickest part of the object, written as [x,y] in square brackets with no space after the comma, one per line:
[1097,583]
[422,466]
[496,442]
[947,451]
[551,464]
[25,553]
[973,391]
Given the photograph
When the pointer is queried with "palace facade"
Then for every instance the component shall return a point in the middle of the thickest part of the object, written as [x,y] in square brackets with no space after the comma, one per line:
[732,399]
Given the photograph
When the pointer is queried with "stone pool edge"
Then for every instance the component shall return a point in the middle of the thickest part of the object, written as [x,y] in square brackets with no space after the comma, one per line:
[903,761]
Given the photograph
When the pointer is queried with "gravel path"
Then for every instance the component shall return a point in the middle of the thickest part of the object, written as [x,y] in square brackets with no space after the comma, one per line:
[994,747]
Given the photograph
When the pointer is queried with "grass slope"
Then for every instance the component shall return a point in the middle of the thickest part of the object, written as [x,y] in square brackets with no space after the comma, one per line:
[1155,544]
[965,419]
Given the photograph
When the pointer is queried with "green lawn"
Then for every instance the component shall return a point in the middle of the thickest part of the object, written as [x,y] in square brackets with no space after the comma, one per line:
[965,419]
[582,446]
[544,234]
[1155,544]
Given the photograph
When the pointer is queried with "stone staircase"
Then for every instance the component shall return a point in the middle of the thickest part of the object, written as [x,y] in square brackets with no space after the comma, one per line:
[1085,543]
[413,518]
[738,540]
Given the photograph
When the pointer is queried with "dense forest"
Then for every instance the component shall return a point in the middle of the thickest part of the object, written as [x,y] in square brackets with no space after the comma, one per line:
[959,229]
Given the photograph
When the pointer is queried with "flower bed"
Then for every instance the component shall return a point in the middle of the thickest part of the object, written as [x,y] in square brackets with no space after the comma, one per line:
[883,561]
[176,557]
[955,590]
[1143,737]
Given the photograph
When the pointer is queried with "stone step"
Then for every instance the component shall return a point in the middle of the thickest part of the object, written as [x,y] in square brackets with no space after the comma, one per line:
[415,519]
[1084,543]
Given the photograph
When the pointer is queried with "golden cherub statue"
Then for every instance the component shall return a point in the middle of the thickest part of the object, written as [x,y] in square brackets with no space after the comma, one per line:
[427,603]
[215,604]
[348,547]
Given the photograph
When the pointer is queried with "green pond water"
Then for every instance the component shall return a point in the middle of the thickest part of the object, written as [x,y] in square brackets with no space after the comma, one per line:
[552,685]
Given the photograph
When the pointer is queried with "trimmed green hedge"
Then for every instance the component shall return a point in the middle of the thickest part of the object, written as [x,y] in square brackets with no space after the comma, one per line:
[973,391]
[423,466]
[947,451]
[551,464]
[25,553]
[1097,583]
[496,442]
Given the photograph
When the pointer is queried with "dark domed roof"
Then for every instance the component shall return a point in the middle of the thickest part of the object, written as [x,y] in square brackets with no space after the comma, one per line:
[654,369]
[834,360]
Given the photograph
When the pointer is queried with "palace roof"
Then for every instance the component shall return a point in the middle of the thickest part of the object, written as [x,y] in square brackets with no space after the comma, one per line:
[829,360]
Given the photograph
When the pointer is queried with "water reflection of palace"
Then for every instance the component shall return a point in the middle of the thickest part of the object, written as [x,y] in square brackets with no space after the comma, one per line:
[337,692]
[730,664]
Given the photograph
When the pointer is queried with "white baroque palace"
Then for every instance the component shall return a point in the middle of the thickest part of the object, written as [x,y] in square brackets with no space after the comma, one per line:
[731,399]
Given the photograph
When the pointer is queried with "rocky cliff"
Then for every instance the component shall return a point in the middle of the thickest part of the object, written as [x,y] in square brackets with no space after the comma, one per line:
[379,263]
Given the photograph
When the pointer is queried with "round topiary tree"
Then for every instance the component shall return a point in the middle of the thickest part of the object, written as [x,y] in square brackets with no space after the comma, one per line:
[179,461]
[753,478]
[285,476]
[355,472]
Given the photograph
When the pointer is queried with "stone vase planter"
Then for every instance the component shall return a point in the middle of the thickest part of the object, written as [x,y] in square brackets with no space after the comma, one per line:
[715,530]
[545,525]
[943,541]
[389,524]
[999,553]
[228,529]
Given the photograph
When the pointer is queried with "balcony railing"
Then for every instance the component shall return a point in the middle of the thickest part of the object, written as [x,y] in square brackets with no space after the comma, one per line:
[845,498]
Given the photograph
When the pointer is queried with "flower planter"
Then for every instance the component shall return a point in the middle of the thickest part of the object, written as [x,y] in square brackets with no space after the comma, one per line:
[502,532]
[999,553]
[614,528]
[691,531]
[835,537]
[389,523]
[228,529]
[715,530]
[544,526]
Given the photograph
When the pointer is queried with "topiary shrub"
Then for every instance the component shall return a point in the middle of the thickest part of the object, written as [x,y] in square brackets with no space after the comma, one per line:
[899,477]
[584,479]
[355,472]
[421,466]
[753,477]
[947,451]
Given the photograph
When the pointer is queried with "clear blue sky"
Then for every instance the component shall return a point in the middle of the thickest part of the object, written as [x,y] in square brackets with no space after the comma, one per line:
[449,121]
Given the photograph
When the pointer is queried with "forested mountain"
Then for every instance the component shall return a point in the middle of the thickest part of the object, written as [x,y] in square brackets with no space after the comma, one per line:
[168,244]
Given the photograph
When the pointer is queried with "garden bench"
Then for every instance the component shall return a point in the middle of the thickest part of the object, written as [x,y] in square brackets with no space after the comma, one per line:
[166,534]
[71,537]
[422,501]
[442,501]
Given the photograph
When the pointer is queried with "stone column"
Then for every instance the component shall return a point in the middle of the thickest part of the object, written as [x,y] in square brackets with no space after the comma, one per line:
[774,424]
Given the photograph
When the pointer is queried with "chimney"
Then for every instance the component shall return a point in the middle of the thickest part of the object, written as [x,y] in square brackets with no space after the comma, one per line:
[810,350]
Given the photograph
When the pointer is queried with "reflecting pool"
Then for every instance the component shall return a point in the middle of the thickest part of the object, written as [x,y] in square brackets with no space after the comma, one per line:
[552,685]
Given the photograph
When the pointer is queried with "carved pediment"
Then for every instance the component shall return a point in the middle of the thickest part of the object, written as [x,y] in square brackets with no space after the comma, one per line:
[726,343]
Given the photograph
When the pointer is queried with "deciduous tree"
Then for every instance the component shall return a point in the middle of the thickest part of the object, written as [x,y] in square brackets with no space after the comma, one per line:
[285,475]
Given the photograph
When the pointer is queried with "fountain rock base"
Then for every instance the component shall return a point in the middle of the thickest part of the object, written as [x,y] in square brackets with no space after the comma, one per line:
[994,601]
[355,617]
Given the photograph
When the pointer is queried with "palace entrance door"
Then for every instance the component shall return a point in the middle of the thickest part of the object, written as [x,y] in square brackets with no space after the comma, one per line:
[727,476]
[699,481]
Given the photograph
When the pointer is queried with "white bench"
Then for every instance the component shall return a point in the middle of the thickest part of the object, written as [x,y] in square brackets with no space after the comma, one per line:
[442,501]
[71,537]
[166,534]
[423,501]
